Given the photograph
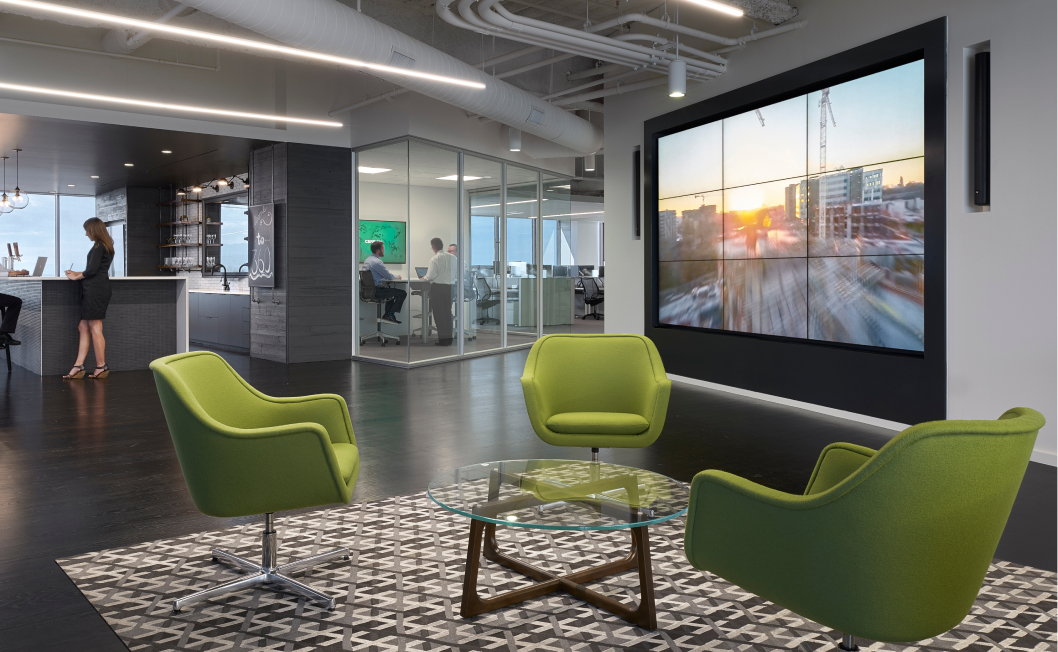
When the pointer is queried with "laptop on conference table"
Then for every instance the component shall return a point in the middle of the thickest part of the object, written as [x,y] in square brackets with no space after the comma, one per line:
[38,269]
[420,272]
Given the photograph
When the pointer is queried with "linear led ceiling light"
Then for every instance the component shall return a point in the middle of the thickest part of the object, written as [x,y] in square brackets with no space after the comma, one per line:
[164,105]
[363,169]
[718,6]
[230,40]
[524,201]
[453,177]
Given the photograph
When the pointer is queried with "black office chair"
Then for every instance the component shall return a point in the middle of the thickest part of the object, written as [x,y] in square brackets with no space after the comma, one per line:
[593,296]
[367,295]
[486,299]
[5,344]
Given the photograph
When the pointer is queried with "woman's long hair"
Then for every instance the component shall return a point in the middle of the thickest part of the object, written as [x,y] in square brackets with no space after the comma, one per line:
[97,231]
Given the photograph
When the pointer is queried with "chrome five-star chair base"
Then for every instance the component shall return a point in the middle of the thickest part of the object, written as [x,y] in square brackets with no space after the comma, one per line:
[267,572]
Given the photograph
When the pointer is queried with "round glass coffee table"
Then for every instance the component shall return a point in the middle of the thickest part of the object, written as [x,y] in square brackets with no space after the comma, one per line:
[559,495]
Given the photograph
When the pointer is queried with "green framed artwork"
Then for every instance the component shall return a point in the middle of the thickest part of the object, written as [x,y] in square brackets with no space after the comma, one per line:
[394,234]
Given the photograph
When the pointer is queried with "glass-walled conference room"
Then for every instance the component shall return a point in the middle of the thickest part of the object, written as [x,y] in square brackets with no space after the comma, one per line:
[510,278]
[51,228]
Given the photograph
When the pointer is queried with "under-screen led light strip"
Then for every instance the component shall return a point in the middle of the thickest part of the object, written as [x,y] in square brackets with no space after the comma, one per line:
[164,105]
[230,40]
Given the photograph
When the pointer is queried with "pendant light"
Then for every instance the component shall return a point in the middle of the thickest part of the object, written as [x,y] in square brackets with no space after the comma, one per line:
[5,203]
[677,68]
[20,199]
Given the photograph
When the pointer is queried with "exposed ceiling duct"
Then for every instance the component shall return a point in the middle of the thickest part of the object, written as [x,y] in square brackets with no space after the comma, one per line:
[332,28]
[119,41]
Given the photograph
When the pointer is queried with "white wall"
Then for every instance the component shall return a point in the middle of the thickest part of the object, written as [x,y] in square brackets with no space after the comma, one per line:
[1002,312]
[586,235]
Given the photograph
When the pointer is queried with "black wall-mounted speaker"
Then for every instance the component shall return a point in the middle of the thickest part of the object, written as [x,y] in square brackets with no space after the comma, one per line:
[982,129]
[637,228]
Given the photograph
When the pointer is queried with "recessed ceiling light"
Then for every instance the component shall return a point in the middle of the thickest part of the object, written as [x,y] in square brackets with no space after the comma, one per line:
[69,185]
[246,43]
[95,176]
[453,177]
[167,151]
[128,165]
[366,170]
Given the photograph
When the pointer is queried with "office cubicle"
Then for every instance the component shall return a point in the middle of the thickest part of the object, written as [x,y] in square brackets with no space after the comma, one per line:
[504,293]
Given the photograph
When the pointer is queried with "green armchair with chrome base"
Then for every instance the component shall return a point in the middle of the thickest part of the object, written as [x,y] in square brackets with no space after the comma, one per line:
[889,545]
[244,453]
[596,391]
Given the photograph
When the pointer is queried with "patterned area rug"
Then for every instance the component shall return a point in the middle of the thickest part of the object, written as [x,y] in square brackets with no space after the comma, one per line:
[402,587]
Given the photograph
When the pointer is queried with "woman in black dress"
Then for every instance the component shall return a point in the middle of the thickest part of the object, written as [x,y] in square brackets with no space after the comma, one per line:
[95,296]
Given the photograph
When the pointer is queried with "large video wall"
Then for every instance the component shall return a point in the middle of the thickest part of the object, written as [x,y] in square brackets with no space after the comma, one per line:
[800,219]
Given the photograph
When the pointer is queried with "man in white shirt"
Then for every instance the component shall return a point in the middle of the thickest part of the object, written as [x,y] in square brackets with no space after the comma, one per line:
[441,274]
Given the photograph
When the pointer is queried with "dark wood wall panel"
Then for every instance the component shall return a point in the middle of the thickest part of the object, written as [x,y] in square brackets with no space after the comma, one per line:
[308,317]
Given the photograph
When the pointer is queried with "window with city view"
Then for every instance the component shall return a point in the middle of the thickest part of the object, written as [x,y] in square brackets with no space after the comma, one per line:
[803,218]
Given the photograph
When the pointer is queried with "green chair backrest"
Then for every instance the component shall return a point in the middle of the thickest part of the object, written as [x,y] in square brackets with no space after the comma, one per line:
[218,390]
[597,373]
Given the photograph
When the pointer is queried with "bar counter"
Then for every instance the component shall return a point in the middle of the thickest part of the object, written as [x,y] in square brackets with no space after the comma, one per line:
[147,318]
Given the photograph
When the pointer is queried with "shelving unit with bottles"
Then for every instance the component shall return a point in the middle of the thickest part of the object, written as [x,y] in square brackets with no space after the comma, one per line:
[181,232]
[211,239]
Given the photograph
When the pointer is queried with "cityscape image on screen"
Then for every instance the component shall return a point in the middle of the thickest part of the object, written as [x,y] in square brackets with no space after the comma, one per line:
[800,219]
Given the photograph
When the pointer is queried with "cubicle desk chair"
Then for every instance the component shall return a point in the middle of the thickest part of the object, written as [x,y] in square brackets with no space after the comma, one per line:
[593,296]
[367,295]
[485,301]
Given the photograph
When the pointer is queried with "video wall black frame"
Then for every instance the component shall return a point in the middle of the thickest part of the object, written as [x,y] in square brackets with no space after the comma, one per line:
[901,386]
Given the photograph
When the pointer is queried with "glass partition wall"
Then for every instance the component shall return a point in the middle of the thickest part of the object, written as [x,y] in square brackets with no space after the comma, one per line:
[463,232]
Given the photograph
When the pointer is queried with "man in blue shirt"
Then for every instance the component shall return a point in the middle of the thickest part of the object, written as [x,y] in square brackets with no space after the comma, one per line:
[394,297]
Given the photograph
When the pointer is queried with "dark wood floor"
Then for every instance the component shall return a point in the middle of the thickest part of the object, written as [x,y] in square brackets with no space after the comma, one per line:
[89,465]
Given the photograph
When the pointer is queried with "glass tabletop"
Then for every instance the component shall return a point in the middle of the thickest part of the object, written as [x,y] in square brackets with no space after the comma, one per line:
[560,494]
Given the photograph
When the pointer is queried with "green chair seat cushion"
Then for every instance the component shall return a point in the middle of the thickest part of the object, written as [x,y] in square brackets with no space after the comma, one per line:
[348,460]
[598,423]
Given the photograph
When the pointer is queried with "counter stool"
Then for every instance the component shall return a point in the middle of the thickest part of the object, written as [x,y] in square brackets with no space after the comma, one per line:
[367,295]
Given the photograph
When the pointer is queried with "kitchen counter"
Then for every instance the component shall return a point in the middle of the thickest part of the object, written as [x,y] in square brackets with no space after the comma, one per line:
[235,292]
[147,318]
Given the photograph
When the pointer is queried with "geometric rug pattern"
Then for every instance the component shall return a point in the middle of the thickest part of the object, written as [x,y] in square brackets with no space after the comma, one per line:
[401,589]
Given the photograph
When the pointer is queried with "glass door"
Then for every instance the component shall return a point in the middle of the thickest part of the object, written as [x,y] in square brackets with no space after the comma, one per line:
[482,285]
[522,269]
[382,251]
[558,277]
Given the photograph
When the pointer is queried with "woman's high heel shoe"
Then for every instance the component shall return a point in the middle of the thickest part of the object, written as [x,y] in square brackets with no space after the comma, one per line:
[77,374]
[101,374]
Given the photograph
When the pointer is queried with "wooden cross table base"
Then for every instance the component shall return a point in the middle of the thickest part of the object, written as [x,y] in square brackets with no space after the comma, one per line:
[638,558]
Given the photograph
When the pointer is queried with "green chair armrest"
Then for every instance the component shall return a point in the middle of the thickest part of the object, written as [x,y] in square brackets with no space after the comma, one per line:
[328,410]
[270,469]
[766,541]
[837,462]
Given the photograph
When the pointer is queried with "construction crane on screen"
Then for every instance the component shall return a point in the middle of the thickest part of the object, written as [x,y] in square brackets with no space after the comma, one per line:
[824,108]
